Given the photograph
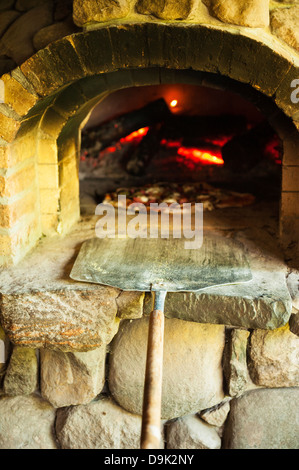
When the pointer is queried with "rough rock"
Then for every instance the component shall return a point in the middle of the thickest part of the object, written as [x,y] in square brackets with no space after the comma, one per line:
[293,286]
[52,33]
[6,64]
[72,378]
[41,306]
[62,9]
[100,425]
[294,323]
[252,13]
[21,376]
[6,4]
[26,422]
[263,419]
[235,362]
[3,354]
[165,9]
[25,5]
[68,320]
[274,358]
[216,416]
[17,41]
[6,18]
[94,11]
[192,373]
[284,24]
[190,432]
[130,305]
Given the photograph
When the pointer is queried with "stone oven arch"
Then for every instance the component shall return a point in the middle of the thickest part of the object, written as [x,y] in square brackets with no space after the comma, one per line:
[48,97]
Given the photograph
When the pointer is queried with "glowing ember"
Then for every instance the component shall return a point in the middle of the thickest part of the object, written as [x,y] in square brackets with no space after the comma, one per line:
[135,135]
[173,103]
[272,150]
[192,155]
[200,155]
[195,154]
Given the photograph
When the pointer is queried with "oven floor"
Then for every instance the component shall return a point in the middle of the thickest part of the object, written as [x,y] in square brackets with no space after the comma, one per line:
[263,302]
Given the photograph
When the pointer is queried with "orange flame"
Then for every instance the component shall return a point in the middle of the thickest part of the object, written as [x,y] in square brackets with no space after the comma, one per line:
[135,135]
[200,156]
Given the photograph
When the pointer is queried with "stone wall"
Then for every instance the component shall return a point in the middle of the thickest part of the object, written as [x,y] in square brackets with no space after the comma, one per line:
[222,388]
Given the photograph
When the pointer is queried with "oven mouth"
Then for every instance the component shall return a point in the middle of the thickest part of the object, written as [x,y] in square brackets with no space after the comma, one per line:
[178,144]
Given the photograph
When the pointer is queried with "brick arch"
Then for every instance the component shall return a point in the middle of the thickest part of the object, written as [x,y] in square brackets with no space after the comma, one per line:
[48,96]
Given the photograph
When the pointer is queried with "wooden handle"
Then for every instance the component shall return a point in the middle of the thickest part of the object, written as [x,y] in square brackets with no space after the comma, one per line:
[151,416]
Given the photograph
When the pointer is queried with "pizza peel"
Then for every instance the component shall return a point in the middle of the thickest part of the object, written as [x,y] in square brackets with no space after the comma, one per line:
[159,265]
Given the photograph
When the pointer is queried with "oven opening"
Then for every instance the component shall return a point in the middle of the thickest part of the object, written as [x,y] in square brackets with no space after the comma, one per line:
[181,144]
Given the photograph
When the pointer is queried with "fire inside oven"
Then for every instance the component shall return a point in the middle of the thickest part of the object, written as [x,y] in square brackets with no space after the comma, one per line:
[179,143]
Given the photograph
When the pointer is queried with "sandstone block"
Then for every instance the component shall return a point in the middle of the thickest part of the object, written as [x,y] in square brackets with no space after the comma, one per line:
[95,60]
[99,425]
[52,67]
[17,97]
[130,305]
[216,416]
[41,306]
[59,324]
[235,362]
[252,13]
[263,419]
[274,358]
[190,432]
[165,9]
[21,376]
[294,323]
[26,423]
[8,127]
[284,24]
[192,378]
[95,11]
[72,378]
[10,214]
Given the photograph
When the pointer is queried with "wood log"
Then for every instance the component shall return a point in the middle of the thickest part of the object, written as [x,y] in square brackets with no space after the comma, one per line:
[245,151]
[112,131]
[144,152]
[196,129]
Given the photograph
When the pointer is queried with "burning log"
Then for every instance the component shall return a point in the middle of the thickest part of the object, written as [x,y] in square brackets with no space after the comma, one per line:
[245,151]
[197,129]
[144,152]
[112,131]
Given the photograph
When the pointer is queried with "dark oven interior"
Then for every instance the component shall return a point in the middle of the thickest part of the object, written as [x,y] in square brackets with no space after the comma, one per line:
[179,143]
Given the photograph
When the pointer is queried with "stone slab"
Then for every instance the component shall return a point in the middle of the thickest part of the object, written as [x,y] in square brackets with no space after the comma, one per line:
[42,307]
